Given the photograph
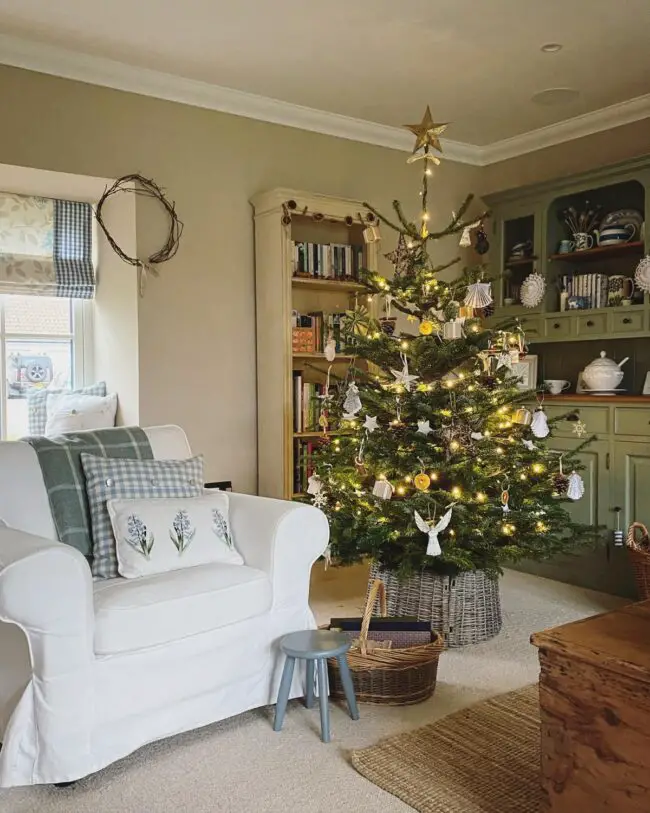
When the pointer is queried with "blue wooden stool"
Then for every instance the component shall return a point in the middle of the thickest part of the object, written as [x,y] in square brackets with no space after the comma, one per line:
[315,647]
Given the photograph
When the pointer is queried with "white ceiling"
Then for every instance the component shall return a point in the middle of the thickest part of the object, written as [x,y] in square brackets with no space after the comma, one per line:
[476,63]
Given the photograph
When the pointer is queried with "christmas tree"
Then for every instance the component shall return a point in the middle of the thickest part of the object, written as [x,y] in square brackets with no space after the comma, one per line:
[438,462]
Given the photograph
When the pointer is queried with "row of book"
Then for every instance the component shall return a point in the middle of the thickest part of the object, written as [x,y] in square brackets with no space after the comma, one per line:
[306,404]
[327,261]
[312,330]
[302,465]
[592,288]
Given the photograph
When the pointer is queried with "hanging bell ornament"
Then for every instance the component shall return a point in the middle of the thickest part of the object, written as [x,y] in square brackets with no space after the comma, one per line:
[422,481]
[466,237]
[522,416]
[539,424]
[576,486]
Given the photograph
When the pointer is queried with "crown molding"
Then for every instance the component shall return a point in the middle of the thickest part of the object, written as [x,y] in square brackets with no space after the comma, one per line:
[607,118]
[94,70]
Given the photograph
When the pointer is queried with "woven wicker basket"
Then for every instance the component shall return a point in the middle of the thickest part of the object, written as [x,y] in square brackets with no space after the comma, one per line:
[395,677]
[639,553]
[465,609]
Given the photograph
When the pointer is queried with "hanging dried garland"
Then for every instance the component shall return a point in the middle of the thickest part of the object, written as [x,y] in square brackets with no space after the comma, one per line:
[139,185]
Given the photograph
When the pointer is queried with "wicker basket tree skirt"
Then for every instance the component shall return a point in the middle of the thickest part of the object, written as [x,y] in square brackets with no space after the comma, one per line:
[464,609]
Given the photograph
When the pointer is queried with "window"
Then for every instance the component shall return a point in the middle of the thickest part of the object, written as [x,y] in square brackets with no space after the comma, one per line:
[42,343]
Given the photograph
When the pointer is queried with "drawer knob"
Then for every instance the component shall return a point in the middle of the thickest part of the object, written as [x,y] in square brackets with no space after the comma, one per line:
[627,320]
[556,325]
[590,323]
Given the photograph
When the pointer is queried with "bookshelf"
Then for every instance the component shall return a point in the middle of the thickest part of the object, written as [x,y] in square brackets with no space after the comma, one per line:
[284,218]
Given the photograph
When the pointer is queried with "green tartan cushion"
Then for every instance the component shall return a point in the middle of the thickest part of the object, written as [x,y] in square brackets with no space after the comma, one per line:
[60,462]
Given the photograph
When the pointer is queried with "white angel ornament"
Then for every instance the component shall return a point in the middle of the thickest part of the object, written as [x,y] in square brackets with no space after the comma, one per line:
[432,531]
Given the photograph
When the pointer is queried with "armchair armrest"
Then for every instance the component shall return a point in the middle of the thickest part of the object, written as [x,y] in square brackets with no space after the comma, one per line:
[46,590]
[282,538]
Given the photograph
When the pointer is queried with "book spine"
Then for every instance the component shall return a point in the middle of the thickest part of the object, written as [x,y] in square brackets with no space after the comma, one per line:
[347,252]
[297,402]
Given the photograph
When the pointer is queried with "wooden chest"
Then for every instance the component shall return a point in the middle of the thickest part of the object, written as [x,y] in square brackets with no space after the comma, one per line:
[595,712]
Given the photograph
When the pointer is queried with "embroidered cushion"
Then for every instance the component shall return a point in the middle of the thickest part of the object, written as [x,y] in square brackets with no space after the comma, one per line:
[37,404]
[155,536]
[131,479]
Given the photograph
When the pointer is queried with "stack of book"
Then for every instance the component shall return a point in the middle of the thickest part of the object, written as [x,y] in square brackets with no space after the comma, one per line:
[328,261]
[303,466]
[311,331]
[591,288]
[306,404]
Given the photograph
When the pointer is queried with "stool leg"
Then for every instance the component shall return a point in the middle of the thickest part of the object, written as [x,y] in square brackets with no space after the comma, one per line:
[283,693]
[309,695]
[323,700]
[348,686]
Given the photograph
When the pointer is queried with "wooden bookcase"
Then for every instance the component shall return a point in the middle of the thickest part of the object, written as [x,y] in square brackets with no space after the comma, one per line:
[283,217]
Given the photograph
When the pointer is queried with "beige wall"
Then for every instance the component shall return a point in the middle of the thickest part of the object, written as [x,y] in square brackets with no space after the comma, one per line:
[581,155]
[196,322]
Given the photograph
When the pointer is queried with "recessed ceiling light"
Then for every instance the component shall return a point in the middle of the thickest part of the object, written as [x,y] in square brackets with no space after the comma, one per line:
[556,96]
[551,47]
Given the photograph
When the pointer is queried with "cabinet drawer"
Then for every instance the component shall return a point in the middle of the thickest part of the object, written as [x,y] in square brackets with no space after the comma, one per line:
[629,421]
[626,321]
[533,327]
[596,419]
[595,323]
[558,327]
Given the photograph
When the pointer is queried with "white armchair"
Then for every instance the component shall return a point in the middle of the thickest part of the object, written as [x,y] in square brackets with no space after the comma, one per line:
[101,668]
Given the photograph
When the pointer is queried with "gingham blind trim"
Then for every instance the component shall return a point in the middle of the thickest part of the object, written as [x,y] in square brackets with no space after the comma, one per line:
[73,249]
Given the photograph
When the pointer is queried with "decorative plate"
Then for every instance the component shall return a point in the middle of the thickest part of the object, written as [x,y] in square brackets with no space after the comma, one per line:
[642,274]
[621,217]
[532,290]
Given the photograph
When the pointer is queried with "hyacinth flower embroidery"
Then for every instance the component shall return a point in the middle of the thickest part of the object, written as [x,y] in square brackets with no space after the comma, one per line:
[182,532]
[220,527]
[139,536]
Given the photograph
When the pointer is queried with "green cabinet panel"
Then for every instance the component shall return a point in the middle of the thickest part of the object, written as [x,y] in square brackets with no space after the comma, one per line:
[631,421]
[631,476]
[627,321]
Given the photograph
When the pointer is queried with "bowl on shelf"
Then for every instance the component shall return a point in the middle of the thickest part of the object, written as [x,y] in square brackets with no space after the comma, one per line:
[615,235]
[603,374]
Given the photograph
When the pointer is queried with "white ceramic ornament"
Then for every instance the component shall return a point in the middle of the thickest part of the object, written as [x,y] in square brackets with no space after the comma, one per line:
[433,545]
[539,425]
[479,295]
[330,349]
[352,403]
[642,274]
[315,485]
[383,489]
[371,423]
[424,428]
[576,488]
[532,290]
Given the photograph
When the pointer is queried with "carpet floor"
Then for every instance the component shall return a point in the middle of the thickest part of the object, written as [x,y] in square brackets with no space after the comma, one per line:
[241,766]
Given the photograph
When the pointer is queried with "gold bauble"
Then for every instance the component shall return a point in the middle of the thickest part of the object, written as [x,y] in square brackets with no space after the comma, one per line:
[422,481]
[426,328]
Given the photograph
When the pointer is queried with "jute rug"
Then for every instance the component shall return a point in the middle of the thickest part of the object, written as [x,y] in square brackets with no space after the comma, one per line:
[483,759]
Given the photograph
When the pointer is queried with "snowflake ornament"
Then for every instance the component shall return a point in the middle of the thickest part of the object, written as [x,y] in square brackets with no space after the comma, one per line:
[580,428]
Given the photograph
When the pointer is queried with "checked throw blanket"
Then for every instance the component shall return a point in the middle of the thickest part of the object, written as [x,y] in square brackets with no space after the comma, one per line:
[60,461]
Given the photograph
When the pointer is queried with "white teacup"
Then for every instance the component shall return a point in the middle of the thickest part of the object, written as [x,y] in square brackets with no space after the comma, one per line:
[556,385]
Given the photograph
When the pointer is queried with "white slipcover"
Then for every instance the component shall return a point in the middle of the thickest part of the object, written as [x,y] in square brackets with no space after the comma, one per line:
[90,672]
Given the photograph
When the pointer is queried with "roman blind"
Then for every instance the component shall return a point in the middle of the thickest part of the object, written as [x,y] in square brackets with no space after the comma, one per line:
[46,247]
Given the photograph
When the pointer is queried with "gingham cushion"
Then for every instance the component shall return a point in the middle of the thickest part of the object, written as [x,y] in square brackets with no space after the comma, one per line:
[131,479]
[37,404]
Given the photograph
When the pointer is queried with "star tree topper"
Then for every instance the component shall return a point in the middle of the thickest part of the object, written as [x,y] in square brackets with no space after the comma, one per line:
[427,134]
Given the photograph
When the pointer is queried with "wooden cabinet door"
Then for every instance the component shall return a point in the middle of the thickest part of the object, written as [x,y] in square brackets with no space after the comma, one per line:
[599,566]
[631,481]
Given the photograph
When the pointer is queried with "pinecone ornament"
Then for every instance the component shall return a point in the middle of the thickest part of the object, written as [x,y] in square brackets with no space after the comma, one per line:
[560,483]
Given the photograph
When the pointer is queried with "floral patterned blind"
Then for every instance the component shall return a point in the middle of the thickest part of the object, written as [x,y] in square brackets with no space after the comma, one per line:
[46,247]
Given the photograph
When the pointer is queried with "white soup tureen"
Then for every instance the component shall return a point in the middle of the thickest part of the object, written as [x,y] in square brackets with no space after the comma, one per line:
[603,374]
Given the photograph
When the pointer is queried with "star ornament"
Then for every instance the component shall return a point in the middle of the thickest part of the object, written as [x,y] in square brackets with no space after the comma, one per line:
[404,378]
[371,423]
[427,134]
[424,428]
